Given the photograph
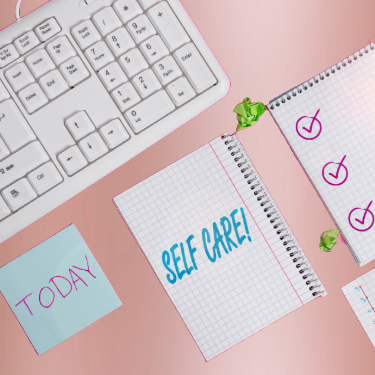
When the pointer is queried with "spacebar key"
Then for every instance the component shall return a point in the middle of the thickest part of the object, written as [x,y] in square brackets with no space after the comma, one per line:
[149,111]
[21,162]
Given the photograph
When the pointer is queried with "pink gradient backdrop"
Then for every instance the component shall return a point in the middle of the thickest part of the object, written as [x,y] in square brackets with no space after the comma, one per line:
[266,47]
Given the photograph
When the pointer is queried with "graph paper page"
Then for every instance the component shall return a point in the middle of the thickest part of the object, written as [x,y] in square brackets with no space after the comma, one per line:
[221,301]
[330,126]
[360,293]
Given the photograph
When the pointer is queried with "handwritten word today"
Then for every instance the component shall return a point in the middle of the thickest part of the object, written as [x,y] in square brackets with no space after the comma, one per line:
[214,243]
[58,282]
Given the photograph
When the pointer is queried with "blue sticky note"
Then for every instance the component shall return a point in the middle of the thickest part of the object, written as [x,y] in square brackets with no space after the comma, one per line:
[57,289]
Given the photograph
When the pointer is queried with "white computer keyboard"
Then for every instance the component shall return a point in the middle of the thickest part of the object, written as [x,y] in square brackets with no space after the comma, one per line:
[85,85]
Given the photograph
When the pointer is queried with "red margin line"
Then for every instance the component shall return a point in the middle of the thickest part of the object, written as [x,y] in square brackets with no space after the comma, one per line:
[367,298]
[256,223]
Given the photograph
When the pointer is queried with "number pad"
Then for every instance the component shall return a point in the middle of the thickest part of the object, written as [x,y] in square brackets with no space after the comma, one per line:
[120,41]
[99,55]
[146,83]
[167,70]
[134,40]
[112,76]
[141,28]
[154,49]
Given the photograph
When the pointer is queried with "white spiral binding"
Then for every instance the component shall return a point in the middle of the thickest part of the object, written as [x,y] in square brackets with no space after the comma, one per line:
[272,213]
[320,77]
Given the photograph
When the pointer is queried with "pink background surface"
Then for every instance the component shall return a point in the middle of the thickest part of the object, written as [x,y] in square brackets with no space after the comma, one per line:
[266,47]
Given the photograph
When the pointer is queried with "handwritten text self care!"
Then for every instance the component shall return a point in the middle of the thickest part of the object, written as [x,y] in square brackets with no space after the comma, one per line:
[179,261]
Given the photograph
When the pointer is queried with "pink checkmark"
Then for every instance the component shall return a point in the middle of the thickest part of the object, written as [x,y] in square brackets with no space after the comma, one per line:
[336,176]
[310,129]
[364,215]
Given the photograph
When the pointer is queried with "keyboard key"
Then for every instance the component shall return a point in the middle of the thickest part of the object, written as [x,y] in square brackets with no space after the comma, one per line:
[40,63]
[21,163]
[154,49]
[8,54]
[133,62]
[167,70]
[120,41]
[32,97]
[112,76]
[168,26]
[126,96]
[141,28]
[19,76]
[114,133]
[26,42]
[80,125]
[99,55]
[193,65]
[180,91]
[19,194]
[14,129]
[148,3]
[93,147]
[4,94]
[4,209]
[85,34]
[47,29]
[61,50]
[53,84]
[72,160]
[146,83]
[127,9]
[44,178]
[107,21]
[4,152]
[74,71]
[149,111]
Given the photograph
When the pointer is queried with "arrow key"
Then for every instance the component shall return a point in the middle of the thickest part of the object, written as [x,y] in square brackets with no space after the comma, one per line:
[72,160]
[80,125]
[114,133]
[93,147]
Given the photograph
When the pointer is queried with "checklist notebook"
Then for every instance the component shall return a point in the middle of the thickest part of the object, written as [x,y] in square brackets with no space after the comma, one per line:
[329,123]
[360,293]
[219,245]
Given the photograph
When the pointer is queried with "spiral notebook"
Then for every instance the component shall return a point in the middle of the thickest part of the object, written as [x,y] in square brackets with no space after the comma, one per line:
[219,245]
[360,293]
[329,123]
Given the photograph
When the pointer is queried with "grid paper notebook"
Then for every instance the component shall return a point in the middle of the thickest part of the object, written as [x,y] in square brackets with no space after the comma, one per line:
[360,293]
[219,245]
[329,122]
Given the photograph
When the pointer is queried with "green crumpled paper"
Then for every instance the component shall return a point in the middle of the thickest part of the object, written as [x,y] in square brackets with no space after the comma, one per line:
[328,240]
[248,113]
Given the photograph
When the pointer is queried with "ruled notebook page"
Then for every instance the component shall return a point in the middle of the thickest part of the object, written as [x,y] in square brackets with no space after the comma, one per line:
[331,129]
[360,293]
[224,300]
